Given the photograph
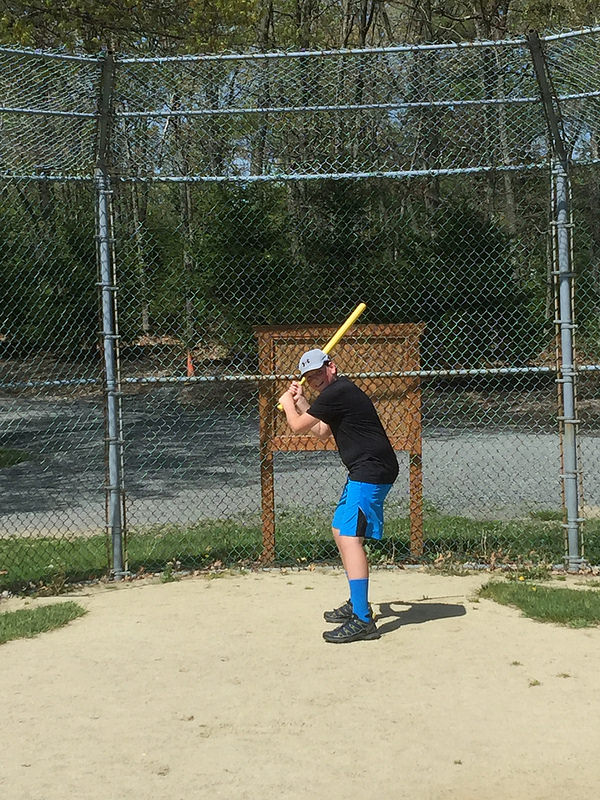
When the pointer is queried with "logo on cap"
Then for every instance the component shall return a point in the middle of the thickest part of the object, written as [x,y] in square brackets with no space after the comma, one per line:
[313,359]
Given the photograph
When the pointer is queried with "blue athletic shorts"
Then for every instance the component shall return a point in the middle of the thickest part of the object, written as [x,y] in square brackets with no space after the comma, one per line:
[360,509]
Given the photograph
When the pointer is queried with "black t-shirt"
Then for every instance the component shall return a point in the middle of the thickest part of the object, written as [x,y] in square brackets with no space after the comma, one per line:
[361,440]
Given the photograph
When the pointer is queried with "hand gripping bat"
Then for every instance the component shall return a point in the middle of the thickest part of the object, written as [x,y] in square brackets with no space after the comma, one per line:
[338,335]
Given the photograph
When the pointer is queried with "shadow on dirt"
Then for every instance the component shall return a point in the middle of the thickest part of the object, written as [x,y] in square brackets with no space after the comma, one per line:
[414,614]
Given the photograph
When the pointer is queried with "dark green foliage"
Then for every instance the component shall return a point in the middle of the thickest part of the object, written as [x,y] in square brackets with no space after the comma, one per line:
[48,276]
[272,254]
[268,254]
[10,457]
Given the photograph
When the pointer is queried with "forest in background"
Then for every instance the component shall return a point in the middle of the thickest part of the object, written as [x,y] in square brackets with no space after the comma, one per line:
[201,265]
[208,26]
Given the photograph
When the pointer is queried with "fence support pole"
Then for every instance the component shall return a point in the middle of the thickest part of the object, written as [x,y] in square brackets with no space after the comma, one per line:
[109,337]
[114,485]
[563,272]
[567,377]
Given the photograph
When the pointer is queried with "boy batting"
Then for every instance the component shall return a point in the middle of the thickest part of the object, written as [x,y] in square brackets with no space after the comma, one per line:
[344,411]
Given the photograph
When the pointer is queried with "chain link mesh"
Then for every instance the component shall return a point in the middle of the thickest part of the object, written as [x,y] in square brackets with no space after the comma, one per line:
[310,114]
[48,114]
[281,190]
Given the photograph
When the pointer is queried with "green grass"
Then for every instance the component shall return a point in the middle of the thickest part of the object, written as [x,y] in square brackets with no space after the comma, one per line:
[26,623]
[536,540]
[547,515]
[8,457]
[28,563]
[577,608]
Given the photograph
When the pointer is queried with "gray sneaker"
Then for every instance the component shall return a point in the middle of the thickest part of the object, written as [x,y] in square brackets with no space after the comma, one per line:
[342,614]
[353,630]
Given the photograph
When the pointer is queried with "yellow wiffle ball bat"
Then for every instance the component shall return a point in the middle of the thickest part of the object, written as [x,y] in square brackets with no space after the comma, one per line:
[338,334]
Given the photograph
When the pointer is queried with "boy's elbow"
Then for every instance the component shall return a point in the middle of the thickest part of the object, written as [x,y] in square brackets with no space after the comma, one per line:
[299,425]
[295,427]
[323,432]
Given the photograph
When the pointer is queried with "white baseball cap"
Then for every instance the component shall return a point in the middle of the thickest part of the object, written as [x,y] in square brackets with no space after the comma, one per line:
[313,359]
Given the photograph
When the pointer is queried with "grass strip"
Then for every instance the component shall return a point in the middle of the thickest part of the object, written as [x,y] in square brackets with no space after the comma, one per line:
[29,562]
[28,622]
[9,457]
[577,608]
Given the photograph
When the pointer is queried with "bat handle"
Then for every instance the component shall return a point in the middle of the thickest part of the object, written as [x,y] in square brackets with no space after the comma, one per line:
[338,335]
[279,406]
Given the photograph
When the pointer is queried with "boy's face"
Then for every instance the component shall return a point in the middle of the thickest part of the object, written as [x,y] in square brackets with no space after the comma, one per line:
[318,379]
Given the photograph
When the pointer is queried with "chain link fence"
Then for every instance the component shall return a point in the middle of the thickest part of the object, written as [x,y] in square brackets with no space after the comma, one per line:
[157,212]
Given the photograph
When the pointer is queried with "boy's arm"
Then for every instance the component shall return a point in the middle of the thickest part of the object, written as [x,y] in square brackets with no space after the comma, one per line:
[295,406]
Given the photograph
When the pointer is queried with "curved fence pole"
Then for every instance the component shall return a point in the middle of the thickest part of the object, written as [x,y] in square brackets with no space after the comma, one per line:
[114,482]
[564,276]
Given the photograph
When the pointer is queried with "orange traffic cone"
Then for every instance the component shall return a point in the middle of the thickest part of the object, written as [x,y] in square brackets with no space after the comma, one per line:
[190,365]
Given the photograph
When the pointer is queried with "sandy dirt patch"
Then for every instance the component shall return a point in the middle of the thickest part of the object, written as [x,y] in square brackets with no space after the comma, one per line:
[223,688]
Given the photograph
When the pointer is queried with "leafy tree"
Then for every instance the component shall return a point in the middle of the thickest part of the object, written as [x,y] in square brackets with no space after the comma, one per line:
[91,24]
[48,274]
[198,263]
[140,25]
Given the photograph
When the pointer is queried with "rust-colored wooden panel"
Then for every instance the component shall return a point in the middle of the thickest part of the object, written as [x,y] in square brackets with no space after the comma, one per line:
[369,355]
[365,349]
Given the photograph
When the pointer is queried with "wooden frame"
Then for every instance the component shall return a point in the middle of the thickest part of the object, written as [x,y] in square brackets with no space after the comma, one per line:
[371,355]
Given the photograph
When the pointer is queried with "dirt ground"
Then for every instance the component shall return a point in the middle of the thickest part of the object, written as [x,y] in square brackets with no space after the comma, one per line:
[223,688]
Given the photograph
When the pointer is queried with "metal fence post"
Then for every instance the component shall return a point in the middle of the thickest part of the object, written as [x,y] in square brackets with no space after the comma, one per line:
[110,337]
[567,377]
[563,272]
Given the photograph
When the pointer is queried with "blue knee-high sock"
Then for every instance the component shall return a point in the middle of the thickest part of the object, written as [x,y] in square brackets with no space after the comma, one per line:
[359,594]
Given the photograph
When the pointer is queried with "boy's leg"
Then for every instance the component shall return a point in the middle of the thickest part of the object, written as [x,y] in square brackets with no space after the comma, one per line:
[353,555]
[337,539]
[356,559]
[358,513]
[344,612]
[356,565]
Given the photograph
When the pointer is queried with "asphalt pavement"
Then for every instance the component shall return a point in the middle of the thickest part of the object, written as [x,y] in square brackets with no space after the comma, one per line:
[185,463]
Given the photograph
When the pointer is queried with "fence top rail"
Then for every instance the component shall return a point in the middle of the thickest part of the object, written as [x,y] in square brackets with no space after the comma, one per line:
[403,48]
[316,176]
[347,51]
[239,110]
[22,51]
[570,34]
[286,177]
[282,54]
[256,377]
